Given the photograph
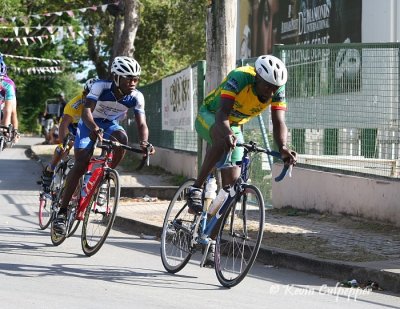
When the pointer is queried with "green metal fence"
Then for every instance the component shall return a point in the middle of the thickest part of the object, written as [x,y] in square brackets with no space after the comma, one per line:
[343,102]
[177,139]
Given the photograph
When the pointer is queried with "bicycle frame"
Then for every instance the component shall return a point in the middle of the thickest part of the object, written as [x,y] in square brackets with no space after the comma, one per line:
[97,176]
[98,173]
[207,226]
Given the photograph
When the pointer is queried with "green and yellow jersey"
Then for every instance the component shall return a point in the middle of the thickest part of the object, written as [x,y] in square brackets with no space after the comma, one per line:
[239,86]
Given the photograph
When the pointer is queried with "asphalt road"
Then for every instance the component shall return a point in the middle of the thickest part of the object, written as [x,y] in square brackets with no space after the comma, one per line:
[127,271]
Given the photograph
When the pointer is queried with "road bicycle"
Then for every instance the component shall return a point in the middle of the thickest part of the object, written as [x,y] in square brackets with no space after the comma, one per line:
[239,222]
[49,201]
[104,183]
[7,136]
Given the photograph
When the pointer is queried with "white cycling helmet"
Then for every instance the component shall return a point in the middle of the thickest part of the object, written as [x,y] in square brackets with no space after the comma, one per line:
[89,83]
[271,69]
[125,66]
[3,68]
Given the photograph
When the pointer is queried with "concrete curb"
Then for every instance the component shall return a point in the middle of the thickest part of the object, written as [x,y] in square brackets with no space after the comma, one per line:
[161,192]
[336,270]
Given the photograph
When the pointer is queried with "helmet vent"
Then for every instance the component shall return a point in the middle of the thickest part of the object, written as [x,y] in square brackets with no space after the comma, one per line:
[266,70]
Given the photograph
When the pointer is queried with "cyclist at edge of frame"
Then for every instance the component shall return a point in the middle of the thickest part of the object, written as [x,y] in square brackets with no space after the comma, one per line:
[106,103]
[245,93]
[8,99]
[68,124]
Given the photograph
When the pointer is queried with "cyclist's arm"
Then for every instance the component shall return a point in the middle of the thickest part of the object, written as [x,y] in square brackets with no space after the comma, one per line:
[14,116]
[63,129]
[87,116]
[222,125]
[143,130]
[280,135]
[7,111]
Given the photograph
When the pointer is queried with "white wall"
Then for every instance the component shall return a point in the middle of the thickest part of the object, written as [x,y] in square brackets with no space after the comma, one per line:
[175,162]
[338,194]
[380,21]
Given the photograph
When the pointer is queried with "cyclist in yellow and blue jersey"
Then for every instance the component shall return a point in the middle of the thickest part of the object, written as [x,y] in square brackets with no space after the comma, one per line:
[245,93]
[69,123]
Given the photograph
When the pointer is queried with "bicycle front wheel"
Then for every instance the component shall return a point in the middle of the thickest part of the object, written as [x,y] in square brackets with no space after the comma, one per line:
[177,231]
[239,237]
[99,219]
[45,211]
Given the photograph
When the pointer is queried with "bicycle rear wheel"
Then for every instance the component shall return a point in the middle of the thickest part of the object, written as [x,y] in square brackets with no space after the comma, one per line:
[45,211]
[99,220]
[239,237]
[72,224]
[177,231]
[56,238]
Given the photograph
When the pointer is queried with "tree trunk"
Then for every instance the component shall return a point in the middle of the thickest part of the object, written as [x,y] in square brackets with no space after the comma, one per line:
[125,28]
[221,41]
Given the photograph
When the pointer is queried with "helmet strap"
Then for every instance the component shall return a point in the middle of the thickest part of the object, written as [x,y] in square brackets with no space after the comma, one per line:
[116,80]
[118,89]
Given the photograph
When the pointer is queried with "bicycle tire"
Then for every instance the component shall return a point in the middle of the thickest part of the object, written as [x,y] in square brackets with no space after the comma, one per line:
[45,212]
[239,237]
[45,204]
[56,239]
[177,231]
[73,224]
[73,205]
[97,225]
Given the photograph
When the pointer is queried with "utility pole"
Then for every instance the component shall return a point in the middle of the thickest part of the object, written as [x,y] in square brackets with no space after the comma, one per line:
[221,46]
[221,41]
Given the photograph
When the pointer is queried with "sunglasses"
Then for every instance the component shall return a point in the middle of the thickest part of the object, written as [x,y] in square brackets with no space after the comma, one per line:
[131,78]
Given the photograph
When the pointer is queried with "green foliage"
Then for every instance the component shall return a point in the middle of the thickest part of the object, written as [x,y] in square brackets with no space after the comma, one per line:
[171,36]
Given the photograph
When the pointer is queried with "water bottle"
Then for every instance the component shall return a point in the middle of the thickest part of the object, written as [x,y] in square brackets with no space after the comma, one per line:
[86,178]
[56,180]
[219,200]
[210,191]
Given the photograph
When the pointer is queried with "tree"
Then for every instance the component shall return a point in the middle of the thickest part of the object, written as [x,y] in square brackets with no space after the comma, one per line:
[156,32]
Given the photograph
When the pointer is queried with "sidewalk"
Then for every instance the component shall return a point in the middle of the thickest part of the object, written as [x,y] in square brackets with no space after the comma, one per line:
[338,247]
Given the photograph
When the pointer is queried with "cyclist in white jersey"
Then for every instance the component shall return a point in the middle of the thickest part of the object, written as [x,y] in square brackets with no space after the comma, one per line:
[107,102]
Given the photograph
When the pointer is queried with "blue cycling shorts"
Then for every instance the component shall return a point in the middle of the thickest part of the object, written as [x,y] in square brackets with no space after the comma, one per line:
[82,139]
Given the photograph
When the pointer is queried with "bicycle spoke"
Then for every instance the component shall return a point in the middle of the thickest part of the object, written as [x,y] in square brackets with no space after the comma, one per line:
[239,237]
[99,219]
[176,238]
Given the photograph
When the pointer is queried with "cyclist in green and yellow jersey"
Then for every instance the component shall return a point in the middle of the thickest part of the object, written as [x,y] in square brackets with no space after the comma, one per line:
[245,93]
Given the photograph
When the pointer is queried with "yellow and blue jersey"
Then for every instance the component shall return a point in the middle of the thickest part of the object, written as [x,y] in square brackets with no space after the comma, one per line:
[74,109]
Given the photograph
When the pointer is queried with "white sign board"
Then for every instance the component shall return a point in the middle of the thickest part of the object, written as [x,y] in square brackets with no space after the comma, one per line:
[177,101]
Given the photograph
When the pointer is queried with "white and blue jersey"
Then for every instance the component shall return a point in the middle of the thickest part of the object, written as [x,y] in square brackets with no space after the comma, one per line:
[108,110]
[107,106]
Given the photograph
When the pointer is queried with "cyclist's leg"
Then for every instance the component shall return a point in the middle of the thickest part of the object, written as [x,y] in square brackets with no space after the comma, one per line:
[204,121]
[83,152]
[229,174]
[116,132]
[205,128]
